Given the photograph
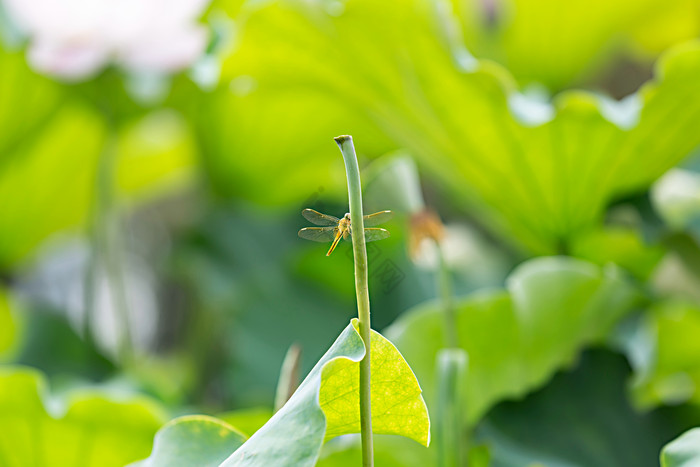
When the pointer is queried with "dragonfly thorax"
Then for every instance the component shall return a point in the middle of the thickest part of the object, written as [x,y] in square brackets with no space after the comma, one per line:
[344,223]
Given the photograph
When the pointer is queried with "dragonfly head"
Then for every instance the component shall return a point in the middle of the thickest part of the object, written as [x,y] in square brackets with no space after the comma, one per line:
[347,216]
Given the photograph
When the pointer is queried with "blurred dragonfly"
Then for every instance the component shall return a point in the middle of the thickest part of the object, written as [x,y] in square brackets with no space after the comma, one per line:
[334,229]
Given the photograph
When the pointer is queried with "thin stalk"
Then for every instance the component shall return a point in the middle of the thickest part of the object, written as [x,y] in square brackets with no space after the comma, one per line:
[451,366]
[107,251]
[288,381]
[444,286]
[362,290]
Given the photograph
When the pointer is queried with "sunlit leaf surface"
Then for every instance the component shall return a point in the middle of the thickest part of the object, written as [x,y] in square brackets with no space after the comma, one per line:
[389,451]
[327,405]
[397,405]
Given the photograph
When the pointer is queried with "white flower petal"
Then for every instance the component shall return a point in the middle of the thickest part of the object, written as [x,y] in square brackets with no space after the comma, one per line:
[66,61]
[74,38]
[60,20]
[169,52]
[180,11]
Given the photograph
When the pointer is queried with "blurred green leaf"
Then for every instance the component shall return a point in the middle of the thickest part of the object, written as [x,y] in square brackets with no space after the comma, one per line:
[247,421]
[393,182]
[676,198]
[48,343]
[289,166]
[27,102]
[7,324]
[683,451]
[559,44]
[665,352]
[537,173]
[48,186]
[678,273]
[327,405]
[169,377]
[193,440]
[157,155]
[581,419]
[45,177]
[50,146]
[517,338]
[94,431]
[622,246]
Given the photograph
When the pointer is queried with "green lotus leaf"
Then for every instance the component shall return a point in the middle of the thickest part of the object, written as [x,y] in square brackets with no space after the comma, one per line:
[676,198]
[326,405]
[7,324]
[93,431]
[247,421]
[537,172]
[559,44]
[49,151]
[665,353]
[622,246]
[62,176]
[683,451]
[517,338]
[389,451]
[27,102]
[193,440]
[156,156]
[581,418]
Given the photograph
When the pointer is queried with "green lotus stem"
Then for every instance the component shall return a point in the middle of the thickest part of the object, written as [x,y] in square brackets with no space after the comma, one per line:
[444,285]
[107,250]
[289,376]
[451,365]
[362,290]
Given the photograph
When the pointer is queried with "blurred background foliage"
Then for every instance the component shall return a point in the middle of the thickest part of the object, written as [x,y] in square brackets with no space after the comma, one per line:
[150,266]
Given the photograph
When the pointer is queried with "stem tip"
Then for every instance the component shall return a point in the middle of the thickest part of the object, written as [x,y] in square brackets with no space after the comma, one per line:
[342,139]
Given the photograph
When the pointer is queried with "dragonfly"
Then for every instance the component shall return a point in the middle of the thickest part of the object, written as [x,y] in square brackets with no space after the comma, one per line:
[334,228]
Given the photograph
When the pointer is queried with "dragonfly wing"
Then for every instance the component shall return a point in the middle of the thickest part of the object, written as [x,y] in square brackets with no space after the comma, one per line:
[370,220]
[318,218]
[375,234]
[318,234]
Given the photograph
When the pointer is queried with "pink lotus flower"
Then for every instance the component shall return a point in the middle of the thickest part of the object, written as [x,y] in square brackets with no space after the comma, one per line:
[74,39]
